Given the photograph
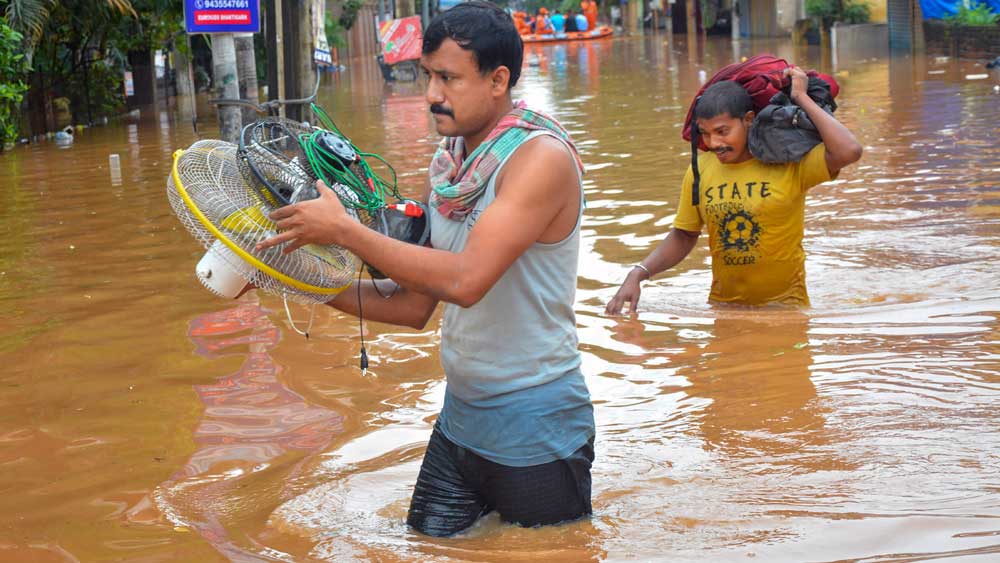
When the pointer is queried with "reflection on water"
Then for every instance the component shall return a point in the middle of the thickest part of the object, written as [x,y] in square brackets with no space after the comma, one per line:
[250,423]
[863,429]
[756,406]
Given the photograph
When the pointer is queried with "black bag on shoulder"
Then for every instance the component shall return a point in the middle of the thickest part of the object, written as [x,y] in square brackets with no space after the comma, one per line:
[782,132]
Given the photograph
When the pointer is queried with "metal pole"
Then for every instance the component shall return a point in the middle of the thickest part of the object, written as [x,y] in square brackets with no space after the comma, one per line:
[272,31]
[735,20]
[295,24]
[692,27]
[193,94]
[279,30]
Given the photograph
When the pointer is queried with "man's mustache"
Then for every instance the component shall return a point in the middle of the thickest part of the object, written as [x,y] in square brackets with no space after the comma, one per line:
[721,150]
[441,110]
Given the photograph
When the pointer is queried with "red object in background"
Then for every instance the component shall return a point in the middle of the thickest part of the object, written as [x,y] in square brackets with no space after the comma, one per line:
[762,76]
[401,39]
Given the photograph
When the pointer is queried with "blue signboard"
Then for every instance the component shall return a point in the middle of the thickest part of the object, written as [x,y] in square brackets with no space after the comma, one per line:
[222,16]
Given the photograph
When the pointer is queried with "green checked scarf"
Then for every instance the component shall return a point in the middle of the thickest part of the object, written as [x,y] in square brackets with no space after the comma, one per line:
[457,184]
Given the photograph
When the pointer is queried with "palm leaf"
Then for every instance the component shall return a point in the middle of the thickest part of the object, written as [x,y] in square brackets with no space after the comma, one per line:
[123,6]
[28,17]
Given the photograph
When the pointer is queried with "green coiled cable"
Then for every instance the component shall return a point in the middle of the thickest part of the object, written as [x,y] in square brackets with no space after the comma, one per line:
[369,187]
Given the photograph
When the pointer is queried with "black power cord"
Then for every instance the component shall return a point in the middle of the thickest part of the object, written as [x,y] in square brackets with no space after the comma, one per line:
[361,325]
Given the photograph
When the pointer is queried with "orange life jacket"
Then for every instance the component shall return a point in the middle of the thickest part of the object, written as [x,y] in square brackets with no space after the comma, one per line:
[542,26]
[522,27]
[590,11]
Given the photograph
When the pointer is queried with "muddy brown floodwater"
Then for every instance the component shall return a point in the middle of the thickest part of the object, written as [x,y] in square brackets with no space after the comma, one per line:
[145,420]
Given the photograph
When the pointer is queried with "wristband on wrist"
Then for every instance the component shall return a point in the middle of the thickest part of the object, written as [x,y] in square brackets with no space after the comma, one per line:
[644,269]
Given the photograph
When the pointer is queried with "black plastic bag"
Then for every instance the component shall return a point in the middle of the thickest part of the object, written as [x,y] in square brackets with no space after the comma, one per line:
[397,224]
[782,132]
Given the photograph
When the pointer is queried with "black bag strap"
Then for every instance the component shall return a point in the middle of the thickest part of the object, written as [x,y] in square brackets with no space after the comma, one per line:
[695,197]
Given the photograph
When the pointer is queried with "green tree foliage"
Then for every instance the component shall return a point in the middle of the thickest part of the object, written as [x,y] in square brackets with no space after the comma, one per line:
[831,11]
[349,13]
[531,7]
[974,14]
[73,44]
[335,32]
[856,12]
[710,12]
[83,42]
[567,5]
[14,70]
[30,17]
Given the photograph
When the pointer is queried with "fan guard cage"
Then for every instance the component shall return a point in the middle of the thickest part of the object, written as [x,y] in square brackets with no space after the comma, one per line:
[210,196]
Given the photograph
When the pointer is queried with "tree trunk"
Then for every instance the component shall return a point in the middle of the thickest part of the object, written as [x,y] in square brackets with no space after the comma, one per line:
[226,83]
[187,105]
[307,44]
[143,77]
[185,77]
[246,67]
[40,116]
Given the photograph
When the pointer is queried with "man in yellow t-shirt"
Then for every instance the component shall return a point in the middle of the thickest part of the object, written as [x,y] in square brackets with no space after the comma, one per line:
[753,211]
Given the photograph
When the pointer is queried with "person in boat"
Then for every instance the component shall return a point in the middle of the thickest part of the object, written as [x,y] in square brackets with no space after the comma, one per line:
[516,432]
[543,25]
[558,22]
[581,23]
[753,211]
[522,27]
[571,21]
[589,9]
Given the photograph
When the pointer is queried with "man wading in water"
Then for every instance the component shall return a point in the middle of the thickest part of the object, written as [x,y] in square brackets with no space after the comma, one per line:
[516,433]
[754,211]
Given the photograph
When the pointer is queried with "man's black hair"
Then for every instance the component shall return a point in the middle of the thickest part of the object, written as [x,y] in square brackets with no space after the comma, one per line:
[723,97]
[484,29]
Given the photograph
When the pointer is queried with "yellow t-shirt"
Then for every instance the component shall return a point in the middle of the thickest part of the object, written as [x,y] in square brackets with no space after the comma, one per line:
[754,213]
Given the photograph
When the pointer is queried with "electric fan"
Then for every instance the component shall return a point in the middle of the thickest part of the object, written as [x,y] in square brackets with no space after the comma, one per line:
[281,160]
[209,194]
[223,193]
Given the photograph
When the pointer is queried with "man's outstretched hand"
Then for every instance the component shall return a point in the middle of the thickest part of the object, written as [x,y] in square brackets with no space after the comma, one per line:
[629,291]
[320,221]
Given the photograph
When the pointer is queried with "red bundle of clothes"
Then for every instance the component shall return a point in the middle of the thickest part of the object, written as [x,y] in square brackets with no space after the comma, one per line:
[762,76]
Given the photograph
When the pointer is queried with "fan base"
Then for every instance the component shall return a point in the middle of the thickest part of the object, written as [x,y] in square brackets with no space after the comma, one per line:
[218,276]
